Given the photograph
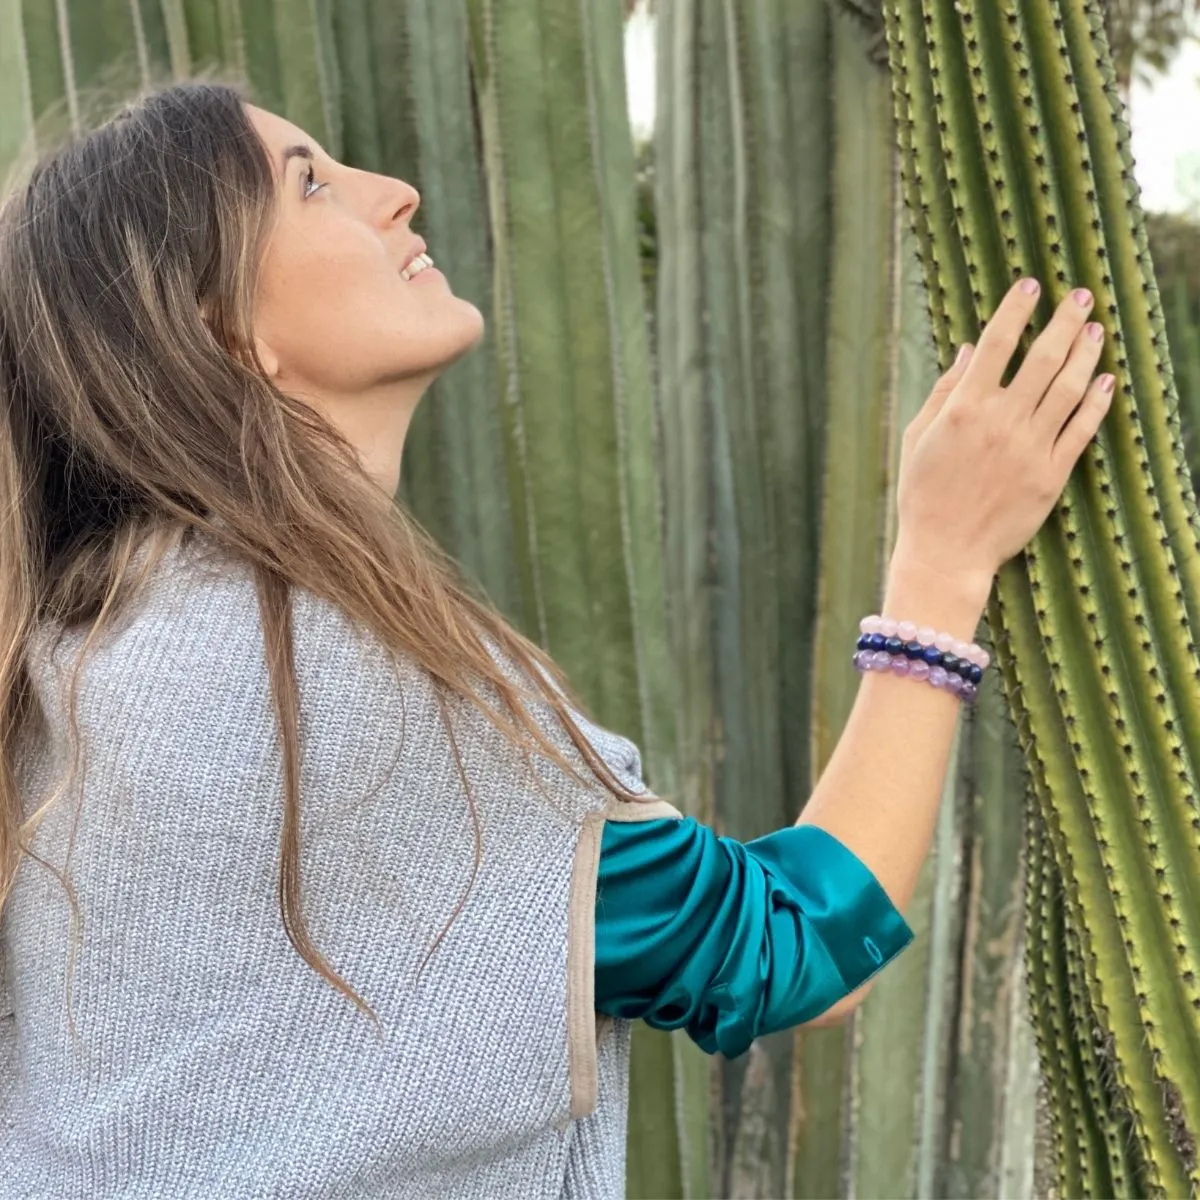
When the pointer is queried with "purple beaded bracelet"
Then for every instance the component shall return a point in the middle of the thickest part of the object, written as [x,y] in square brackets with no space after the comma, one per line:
[896,646]
[898,664]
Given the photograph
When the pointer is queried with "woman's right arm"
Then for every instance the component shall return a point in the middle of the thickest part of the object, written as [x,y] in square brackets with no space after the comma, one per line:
[982,467]
[732,940]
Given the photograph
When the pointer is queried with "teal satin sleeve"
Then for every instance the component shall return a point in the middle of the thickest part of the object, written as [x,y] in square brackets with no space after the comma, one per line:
[729,940]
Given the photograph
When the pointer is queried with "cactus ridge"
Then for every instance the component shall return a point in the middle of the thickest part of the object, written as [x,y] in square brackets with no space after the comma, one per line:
[911,182]
[1049,1026]
[525,532]
[947,278]
[1108,1167]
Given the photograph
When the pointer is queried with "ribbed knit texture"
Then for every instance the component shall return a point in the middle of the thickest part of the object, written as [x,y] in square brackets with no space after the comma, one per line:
[209,1060]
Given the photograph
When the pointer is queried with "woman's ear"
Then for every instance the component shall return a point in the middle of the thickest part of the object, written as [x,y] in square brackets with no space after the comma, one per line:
[267,356]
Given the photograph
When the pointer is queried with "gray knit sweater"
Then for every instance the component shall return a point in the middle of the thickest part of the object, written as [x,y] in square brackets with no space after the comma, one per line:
[200,1055]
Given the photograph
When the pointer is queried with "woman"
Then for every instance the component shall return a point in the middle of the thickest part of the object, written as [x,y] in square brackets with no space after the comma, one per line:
[248,711]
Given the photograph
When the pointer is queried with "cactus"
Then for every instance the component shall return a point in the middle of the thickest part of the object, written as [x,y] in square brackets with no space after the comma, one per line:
[868,312]
[1017,162]
[412,62]
[814,1114]
[742,153]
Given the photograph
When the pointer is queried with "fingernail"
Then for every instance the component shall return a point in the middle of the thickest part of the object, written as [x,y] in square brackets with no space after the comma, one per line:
[1082,297]
[1107,382]
[1095,331]
[1030,286]
[963,354]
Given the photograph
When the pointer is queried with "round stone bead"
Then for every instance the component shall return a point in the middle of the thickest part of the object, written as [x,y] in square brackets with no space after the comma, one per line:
[919,669]
[863,639]
[944,641]
[894,646]
[881,660]
[964,668]
[900,665]
[933,656]
[914,649]
[969,692]
[869,625]
[976,674]
[984,658]
[950,663]
[857,660]
[887,626]
[961,650]
[954,683]
[876,641]
[906,631]
[926,635]
[938,677]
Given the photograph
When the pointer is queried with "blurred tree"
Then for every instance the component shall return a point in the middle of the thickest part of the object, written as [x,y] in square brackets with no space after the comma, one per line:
[1146,35]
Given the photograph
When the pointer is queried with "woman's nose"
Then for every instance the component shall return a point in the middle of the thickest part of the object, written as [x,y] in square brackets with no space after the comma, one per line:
[402,201]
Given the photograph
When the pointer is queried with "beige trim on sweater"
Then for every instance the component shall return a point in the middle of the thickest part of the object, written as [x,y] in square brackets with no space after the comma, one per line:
[585,1028]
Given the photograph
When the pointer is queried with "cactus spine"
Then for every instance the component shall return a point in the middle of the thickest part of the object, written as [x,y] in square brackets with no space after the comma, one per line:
[1017,163]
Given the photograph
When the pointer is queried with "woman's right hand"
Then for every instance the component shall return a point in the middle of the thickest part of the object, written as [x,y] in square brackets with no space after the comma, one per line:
[981,465]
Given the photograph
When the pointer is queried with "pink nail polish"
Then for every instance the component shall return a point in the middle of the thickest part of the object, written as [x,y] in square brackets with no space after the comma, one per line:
[1030,286]
[1082,297]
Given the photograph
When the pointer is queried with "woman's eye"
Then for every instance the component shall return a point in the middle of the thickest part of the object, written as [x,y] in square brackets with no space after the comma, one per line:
[310,182]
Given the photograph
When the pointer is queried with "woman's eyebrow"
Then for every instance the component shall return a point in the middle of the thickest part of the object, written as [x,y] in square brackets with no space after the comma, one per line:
[299,151]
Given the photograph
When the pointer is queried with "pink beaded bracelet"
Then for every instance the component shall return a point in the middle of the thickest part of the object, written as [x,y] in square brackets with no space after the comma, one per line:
[908,631]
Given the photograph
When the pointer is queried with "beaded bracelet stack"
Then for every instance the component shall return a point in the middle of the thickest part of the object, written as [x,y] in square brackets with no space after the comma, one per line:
[921,653]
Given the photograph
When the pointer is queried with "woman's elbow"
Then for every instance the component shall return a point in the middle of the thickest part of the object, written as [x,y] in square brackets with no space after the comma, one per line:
[837,1013]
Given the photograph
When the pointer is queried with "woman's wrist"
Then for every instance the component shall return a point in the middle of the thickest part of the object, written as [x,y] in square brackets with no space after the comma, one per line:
[934,595]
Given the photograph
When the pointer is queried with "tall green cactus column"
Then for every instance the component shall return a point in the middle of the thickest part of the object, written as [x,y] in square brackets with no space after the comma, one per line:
[410,112]
[577,403]
[1017,159]
[867,306]
[742,144]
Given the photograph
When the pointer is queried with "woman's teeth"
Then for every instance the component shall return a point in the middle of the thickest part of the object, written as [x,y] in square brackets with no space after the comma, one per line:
[415,267]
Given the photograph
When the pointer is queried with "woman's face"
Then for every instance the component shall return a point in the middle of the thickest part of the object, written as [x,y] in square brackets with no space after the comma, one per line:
[335,321]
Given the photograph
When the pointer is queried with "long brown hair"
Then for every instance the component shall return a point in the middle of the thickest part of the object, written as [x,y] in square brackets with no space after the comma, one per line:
[133,410]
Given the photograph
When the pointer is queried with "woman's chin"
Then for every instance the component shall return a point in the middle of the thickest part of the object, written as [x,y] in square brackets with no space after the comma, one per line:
[467,333]
[473,328]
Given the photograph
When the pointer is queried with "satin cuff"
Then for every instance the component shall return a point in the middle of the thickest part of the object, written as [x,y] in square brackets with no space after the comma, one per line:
[730,940]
